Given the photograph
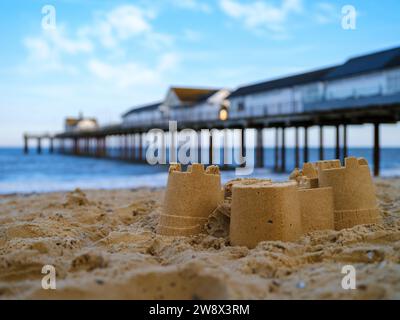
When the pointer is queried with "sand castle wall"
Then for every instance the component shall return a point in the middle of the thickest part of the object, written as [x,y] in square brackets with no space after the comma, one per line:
[353,191]
[190,198]
[264,211]
[316,204]
[317,210]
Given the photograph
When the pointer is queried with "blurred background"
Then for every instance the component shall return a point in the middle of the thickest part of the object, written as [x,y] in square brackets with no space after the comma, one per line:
[101,59]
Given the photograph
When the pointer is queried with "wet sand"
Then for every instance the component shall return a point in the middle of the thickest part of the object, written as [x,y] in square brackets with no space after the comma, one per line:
[104,246]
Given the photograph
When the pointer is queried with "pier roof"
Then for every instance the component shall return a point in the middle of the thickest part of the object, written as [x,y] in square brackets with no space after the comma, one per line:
[367,63]
[354,66]
[193,95]
[147,107]
[289,81]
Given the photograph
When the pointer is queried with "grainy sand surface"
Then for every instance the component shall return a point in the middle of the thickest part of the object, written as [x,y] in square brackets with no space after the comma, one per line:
[104,246]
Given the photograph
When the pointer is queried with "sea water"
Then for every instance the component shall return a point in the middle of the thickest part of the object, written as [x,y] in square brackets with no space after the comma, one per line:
[46,172]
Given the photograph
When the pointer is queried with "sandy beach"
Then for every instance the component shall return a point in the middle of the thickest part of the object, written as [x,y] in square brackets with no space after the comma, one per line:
[104,246]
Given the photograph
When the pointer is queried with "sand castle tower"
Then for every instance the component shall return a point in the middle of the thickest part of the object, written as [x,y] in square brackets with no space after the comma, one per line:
[316,203]
[353,191]
[190,198]
[264,211]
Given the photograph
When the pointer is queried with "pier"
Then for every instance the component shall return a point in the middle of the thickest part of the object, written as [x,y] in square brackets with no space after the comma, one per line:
[363,90]
[129,141]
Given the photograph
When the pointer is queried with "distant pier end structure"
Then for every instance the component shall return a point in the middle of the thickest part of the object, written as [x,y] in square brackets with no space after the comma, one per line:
[363,90]
[39,138]
[76,125]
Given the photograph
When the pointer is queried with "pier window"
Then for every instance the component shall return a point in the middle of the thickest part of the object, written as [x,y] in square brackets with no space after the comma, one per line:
[393,82]
[311,93]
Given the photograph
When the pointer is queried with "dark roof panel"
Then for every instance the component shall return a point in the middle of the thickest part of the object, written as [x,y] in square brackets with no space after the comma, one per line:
[283,82]
[147,107]
[193,95]
[367,63]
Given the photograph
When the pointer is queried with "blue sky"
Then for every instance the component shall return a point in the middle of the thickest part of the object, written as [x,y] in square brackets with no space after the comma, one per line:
[106,56]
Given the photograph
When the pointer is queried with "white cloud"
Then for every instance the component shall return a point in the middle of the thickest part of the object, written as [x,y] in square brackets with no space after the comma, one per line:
[119,24]
[195,5]
[46,50]
[56,40]
[132,73]
[168,62]
[64,44]
[326,13]
[51,50]
[260,15]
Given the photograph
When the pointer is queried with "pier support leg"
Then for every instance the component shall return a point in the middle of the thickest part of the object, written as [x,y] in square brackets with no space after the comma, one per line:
[296,148]
[199,148]
[62,146]
[140,147]
[98,147]
[210,149]
[39,145]
[260,149]
[306,153]
[51,148]
[105,146]
[283,151]
[133,147]
[26,147]
[76,146]
[126,147]
[337,142]
[226,150]
[243,148]
[87,146]
[377,149]
[344,142]
[321,143]
[276,164]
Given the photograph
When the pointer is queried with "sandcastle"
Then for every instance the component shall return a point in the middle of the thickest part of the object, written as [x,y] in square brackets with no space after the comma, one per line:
[353,191]
[190,198]
[264,211]
[316,202]
[321,196]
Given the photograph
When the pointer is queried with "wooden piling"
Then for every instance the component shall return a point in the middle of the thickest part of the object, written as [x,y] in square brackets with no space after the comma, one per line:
[210,149]
[140,147]
[283,151]
[296,148]
[243,147]
[39,145]
[51,147]
[337,141]
[345,152]
[305,149]
[26,146]
[377,149]
[276,164]
[226,149]
[260,148]
[321,143]
[132,146]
